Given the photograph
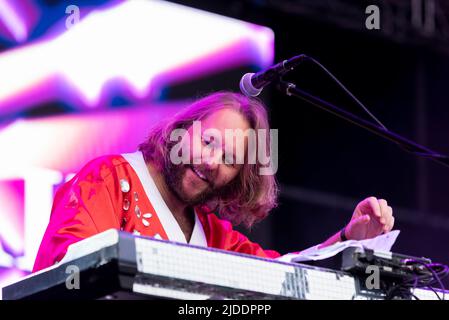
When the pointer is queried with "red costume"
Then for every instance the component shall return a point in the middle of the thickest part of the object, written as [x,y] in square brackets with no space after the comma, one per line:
[118,192]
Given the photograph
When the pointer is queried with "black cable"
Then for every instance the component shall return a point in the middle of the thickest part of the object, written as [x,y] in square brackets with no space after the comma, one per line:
[416,298]
[427,281]
[348,92]
[423,275]
[437,277]
[434,291]
[431,155]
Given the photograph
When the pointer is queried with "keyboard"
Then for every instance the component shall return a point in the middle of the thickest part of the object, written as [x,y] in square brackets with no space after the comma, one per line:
[118,265]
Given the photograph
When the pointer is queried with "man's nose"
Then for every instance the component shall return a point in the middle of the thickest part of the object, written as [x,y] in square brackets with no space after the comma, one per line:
[212,160]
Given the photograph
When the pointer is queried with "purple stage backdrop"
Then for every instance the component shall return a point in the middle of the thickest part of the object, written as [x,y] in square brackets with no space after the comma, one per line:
[131,49]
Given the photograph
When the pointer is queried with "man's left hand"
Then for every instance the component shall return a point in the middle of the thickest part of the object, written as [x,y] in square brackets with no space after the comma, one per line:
[371,218]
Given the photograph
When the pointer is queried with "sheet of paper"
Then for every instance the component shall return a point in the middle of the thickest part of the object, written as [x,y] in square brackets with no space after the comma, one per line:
[382,243]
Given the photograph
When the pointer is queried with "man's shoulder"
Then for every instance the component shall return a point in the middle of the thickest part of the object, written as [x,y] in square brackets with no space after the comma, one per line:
[111,160]
[104,166]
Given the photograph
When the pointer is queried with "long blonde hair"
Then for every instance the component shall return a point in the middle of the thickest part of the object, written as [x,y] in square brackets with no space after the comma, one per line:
[253,195]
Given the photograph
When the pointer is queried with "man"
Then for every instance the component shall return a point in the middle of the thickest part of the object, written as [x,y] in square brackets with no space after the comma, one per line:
[151,193]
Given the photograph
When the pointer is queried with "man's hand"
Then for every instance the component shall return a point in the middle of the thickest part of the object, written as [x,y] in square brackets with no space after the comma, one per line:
[371,218]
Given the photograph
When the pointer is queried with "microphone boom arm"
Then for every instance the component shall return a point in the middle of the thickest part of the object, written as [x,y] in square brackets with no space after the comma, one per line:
[290,89]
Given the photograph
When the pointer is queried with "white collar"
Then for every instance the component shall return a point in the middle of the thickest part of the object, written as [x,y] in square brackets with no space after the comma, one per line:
[167,219]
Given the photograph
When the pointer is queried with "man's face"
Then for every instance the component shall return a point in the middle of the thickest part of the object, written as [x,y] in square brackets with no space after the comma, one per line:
[208,174]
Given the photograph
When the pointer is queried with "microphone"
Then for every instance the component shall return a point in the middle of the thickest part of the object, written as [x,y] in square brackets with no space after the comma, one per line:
[252,84]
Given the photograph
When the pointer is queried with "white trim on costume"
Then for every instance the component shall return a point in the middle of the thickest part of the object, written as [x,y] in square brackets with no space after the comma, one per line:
[168,221]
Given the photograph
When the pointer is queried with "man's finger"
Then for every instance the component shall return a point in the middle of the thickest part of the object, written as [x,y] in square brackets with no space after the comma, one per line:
[385,212]
[373,208]
[363,219]
[390,225]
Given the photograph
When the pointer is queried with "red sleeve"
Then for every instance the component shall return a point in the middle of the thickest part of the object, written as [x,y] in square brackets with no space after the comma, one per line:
[82,207]
[221,235]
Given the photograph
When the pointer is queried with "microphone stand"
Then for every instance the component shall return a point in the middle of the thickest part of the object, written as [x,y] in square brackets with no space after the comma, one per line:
[290,89]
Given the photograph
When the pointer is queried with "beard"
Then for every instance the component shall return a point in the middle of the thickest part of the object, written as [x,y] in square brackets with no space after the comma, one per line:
[174,175]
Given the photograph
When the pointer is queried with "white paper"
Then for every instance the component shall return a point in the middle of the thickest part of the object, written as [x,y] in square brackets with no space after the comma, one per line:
[381,243]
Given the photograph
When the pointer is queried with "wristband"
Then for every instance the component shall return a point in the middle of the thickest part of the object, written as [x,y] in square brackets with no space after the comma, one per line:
[343,235]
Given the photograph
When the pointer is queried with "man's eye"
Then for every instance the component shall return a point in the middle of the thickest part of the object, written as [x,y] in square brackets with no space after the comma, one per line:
[207,142]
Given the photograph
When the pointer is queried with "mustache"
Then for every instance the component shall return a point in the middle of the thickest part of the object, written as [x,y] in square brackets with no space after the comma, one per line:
[207,173]
[213,192]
